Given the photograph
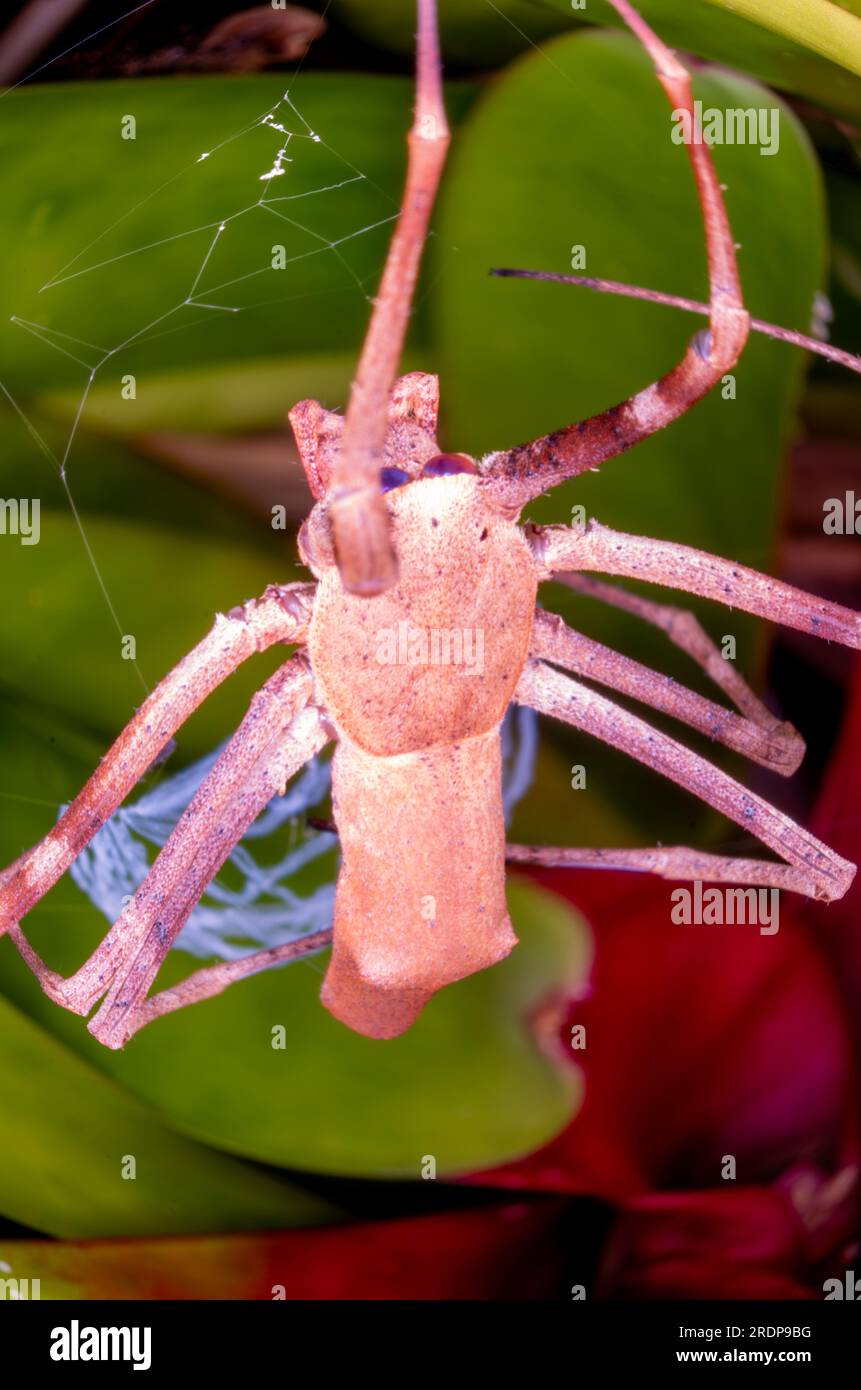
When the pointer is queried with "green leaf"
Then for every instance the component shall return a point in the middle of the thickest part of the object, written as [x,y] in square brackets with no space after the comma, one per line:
[520,359]
[231,396]
[219,1267]
[844,207]
[811,48]
[68,1133]
[474,33]
[116,234]
[109,479]
[479,1079]
[60,646]
[820,25]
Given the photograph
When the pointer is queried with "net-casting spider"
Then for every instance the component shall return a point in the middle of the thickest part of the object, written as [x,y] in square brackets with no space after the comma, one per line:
[402,538]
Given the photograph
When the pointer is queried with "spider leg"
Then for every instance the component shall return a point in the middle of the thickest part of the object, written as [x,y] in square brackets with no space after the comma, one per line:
[686,632]
[215,979]
[850,360]
[596,547]
[282,614]
[675,862]
[815,870]
[669,862]
[773,745]
[278,734]
[359,514]
[518,475]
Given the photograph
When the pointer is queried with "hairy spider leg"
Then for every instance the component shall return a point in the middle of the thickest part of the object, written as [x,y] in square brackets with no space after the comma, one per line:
[215,979]
[279,733]
[772,744]
[686,632]
[282,614]
[597,547]
[814,869]
[360,519]
[517,476]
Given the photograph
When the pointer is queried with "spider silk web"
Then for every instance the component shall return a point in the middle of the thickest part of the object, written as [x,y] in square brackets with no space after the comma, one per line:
[253,905]
[208,282]
[201,275]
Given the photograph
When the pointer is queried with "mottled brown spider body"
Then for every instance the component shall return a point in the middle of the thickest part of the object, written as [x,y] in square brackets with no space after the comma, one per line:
[416,683]
[375,680]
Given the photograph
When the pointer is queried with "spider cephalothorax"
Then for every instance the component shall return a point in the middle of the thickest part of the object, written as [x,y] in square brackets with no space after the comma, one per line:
[420,630]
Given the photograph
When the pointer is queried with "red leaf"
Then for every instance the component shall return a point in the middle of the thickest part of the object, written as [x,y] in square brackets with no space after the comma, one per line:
[838,822]
[508,1251]
[700,1041]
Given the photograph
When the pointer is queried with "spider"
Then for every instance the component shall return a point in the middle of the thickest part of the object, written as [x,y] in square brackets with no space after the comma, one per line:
[403,536]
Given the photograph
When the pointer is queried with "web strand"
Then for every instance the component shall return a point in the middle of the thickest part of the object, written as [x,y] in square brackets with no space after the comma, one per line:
[293,139]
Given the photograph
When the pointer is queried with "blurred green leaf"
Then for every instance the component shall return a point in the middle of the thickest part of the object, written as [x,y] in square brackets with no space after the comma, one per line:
[820,25]
[479,1079]
[67,1132]
[470,1083]
[475,33]
[112,235]
[811,48]
[60,646]
[844,209]
[234,396]
[108,478]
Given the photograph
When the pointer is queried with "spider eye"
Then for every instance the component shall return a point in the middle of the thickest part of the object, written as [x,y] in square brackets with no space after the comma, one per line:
[445,464]
[392,477]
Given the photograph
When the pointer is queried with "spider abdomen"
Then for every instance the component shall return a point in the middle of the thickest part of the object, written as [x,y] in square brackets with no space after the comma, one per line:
[420,901]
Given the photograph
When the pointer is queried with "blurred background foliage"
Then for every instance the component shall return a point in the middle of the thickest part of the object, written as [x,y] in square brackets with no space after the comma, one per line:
[560,139]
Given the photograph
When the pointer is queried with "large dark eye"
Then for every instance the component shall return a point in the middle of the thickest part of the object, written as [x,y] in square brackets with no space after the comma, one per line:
[392,477]
[445,464]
